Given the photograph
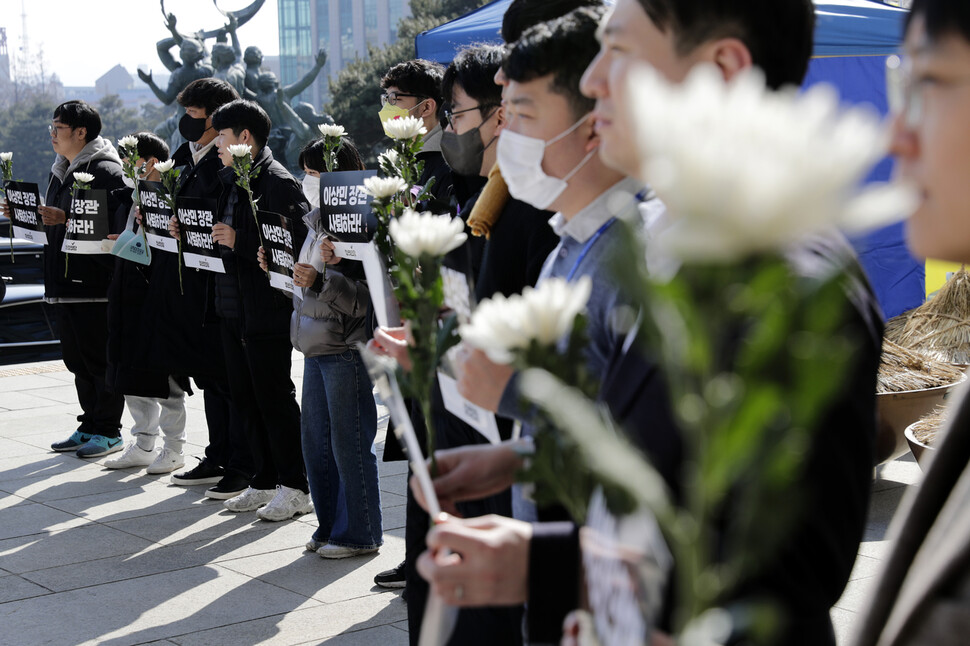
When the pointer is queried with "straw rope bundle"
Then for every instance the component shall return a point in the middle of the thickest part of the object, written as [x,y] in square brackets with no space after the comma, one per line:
[901,369]
[927,428]
[940,327]
[895,326]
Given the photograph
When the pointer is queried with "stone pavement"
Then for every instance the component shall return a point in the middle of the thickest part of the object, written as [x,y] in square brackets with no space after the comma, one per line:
[94,556]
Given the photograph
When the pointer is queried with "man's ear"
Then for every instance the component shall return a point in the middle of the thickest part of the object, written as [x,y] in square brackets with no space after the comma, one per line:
[499,119]
[429,109]
[731,56]
[82,132]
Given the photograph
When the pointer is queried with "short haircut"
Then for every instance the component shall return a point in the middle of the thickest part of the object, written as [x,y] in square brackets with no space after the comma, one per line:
[348,158]
[523,14]
[79,114]
[942,18]
[563,48]
[210,94]
[474,69]
[243,114]
[777,33]
[418,77]
[151,145]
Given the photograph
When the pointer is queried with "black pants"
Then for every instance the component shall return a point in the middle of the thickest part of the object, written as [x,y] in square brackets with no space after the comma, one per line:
[224,423]
[475,626]
[83,329]
[265,399]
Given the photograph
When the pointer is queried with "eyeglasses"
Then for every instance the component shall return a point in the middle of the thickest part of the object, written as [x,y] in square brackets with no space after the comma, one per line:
[450,114]
[392,97]
[52,129]
[906,96]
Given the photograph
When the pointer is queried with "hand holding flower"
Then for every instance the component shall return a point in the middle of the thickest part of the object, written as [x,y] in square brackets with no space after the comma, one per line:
[261,260]
[392,342]
[480,380]
[173,228]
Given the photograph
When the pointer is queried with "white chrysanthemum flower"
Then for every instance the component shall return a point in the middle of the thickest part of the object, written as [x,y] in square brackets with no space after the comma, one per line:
[84,178]
[419,234]
[405,127]
[384,187]
[389,157]
[743,169]
[240,150]
[499,326]
[128,141]
[5,157]
[330,130]
[165,166]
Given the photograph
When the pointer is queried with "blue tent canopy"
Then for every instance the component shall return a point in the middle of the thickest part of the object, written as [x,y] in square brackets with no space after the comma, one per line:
[852,40]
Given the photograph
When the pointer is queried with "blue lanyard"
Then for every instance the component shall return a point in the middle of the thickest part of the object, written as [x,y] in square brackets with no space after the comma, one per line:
[589,245]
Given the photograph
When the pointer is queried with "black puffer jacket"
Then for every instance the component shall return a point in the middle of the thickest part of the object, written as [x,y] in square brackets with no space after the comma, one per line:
[87,275]
[244,291]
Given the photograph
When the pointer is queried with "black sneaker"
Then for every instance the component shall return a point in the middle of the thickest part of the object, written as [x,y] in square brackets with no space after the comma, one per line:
[205,472]
[230,486]
[393,578]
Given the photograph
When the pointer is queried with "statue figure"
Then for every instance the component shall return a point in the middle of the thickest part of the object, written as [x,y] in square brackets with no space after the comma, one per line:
[193,64]
[225,58]
[301,122]
[253,60]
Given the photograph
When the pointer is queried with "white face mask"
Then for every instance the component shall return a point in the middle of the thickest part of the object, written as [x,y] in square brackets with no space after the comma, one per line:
[311,188]
[520,158]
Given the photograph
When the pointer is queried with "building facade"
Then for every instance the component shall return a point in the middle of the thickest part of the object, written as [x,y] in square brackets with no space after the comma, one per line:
[342,28]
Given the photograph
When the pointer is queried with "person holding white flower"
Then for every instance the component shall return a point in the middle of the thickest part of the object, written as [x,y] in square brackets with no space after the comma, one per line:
[180,311]
[155,399]
[255,317]
[79,289]
[810,574]
[338,417]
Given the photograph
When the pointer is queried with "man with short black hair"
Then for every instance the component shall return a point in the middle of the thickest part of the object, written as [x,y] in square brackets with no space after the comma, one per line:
[180,310]
[413,89]
[79,288]
[256,317]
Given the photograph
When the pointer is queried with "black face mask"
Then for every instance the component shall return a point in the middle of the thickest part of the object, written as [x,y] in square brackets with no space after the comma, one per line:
[463,153]
[192,129]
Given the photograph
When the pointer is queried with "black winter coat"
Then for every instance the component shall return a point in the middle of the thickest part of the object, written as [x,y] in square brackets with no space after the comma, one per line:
[87,275]
[182,322]
[244,292]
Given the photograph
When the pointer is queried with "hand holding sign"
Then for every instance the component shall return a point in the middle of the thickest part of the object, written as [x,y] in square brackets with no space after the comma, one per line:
[224,235]
[51,215]
[304,275]
[21,208]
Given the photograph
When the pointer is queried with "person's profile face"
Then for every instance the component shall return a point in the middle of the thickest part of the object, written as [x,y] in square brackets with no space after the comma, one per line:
[931,142]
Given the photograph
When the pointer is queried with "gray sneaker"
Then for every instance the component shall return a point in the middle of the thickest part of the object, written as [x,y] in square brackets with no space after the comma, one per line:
[286,504]
[249,500]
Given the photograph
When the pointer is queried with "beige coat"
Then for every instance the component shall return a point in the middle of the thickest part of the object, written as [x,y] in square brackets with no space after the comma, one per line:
[923,595]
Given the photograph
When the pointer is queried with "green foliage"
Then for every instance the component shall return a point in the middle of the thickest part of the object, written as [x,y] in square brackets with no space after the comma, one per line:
[356,91]
[23,131]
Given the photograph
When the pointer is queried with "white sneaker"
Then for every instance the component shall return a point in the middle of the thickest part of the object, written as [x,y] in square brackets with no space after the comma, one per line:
[167,461]
[133,456]
[329,551]
[249,500]
[286,504]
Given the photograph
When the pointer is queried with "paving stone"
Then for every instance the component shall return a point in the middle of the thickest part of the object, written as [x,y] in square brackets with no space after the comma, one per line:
[857,594]
[205,520]
[73,545]
[79,481]
[383,635]
[44,464]
[865,567]
[328,580]
[57,392]
[310,625]
[21,401]
[146,609]
[396,484]
[24,382]
[136,501]
[15,588]
[27,519]
[10,449]
[845,624]
[156,559]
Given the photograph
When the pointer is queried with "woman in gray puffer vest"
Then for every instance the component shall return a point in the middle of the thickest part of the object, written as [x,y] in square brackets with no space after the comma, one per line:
[339,415]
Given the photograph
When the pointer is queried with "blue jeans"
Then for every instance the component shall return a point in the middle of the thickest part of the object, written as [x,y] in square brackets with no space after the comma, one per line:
[339,424]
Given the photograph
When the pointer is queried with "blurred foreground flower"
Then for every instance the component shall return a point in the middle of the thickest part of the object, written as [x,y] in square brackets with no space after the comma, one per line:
[405,128]
[424,234]
[744,169]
